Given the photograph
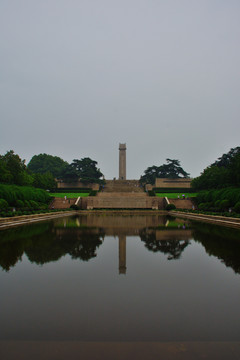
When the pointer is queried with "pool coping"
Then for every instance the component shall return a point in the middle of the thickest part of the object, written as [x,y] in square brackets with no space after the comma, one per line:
[28,219]
[214,219]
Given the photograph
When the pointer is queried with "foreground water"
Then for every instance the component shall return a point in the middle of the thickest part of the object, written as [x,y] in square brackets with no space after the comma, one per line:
[120,278]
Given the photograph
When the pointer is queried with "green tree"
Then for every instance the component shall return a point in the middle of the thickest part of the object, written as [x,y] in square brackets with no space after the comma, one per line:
[87,170]
[14,170]
[5,174]
[69,174]
[224,172]
[171,169]
[44,181]
[44,163]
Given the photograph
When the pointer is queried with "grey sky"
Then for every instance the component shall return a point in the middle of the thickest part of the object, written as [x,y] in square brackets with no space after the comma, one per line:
[79,76]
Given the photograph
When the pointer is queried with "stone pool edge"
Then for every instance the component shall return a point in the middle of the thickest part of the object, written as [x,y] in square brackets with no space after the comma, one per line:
[218,220]
[28,219]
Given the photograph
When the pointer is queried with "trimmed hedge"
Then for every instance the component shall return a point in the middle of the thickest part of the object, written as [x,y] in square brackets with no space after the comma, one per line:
[14,193]
[174,190]
[236,207]
[72,190]
[3,204]
[170,207]
[219,200]
[151,193]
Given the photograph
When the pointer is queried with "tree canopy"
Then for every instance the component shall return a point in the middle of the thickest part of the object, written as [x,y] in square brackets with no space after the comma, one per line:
[44,163]
[171,169]
[224,172]
[14,171]
[43,168]
[85,169]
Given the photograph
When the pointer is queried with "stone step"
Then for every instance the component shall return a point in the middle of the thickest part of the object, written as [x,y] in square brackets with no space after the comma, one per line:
[61,203]
[120,202]
[182,204]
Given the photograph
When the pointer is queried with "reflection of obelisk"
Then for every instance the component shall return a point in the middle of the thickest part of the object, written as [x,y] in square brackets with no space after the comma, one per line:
[122,254]
[122,161]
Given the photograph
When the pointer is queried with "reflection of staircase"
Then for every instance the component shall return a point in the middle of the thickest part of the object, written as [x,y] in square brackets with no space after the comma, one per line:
[127,186]
[61,203]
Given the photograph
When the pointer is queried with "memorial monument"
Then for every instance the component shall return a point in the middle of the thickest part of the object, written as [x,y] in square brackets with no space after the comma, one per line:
[122,161]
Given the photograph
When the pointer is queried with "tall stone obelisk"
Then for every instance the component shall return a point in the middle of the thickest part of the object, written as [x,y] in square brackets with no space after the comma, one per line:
[122,161]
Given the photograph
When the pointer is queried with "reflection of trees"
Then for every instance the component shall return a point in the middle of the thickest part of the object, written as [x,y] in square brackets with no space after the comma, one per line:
[224,243]
[83,243]
[78,243]
[9,256]
[14,242]
[172,247]
[42,243]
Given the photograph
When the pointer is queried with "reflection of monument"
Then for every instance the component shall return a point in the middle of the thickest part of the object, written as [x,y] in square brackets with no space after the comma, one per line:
[122,161]
[122,253]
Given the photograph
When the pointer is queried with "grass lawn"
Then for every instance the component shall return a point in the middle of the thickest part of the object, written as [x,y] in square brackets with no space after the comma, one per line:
[69,195]
[175,195]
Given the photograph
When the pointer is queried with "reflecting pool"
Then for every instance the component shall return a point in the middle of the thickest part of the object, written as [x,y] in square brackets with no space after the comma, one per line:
[120,278]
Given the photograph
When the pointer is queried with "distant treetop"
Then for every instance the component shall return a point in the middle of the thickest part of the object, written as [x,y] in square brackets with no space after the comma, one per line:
[171,170]
[224,172]
[43,163]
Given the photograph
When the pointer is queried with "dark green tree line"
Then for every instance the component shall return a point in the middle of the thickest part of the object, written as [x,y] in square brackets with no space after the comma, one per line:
[13,171]
[84,170]
[171,170]
[44,163]
[224,172]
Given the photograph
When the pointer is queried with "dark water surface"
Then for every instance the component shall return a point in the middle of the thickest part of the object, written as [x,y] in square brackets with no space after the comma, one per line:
[120,278]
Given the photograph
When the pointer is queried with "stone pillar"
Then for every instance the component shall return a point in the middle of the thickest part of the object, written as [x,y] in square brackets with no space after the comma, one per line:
[122,254]
[122,161]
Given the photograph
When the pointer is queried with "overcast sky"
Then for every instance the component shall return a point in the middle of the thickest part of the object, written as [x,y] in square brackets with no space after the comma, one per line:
[78,77]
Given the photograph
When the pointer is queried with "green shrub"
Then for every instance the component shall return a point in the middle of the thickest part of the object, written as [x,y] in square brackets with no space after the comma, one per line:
[3,204]
[217,204]
[19,204]
[224,204]
[236,208]
[74,207]
[10,214]
[170,207]
[201,206]
[27,204]
[11,193]
[34,204]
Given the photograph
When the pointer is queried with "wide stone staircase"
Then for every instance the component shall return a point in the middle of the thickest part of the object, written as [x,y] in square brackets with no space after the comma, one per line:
[182,204]
[61,203]
[122,194]
[121,200]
